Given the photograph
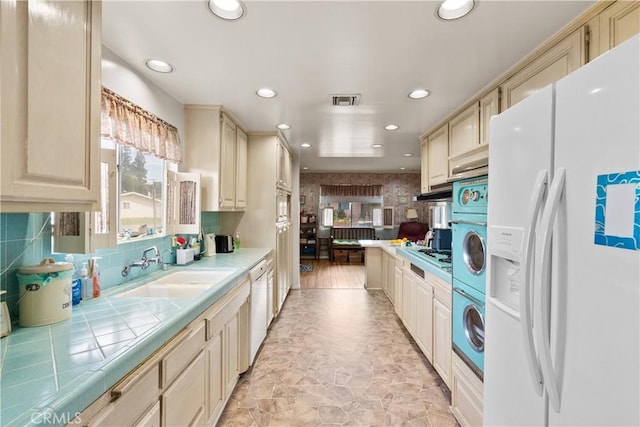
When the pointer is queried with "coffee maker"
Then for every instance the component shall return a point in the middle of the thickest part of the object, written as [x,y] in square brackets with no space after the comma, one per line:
[439,237]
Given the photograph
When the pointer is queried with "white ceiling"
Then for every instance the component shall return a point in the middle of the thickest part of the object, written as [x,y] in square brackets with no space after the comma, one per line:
[308,50]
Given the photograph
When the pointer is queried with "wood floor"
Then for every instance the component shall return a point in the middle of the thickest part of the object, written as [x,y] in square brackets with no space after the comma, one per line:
[331,275]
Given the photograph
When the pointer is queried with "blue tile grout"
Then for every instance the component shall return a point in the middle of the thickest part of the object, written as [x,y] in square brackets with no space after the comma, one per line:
[53,360]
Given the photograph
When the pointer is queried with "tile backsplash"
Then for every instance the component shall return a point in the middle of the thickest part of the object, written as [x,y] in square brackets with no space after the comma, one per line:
[25,239]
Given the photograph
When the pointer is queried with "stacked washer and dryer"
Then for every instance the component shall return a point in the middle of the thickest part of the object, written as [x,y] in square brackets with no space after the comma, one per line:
[469,236]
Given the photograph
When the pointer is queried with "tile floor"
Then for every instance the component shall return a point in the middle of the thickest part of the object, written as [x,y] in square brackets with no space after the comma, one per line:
[338,357]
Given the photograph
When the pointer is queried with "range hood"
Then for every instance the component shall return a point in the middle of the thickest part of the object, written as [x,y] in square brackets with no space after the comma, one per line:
[470,169]
[444,191]
[438,192]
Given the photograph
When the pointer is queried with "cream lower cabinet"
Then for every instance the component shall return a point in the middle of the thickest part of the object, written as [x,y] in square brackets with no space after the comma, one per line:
[408,301]
[442,329]
[466,394]
[397,286]
[187,381]
[183,402]
[426,313]
[424,318]
[50,105]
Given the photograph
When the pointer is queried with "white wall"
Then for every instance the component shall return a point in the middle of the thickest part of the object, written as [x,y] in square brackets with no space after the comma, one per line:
[123,79]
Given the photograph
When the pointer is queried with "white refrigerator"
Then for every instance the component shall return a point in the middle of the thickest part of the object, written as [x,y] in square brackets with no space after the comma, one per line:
[563,277]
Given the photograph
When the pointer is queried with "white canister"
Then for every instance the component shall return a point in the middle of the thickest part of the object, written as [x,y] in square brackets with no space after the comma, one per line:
[45,292]
[210,244]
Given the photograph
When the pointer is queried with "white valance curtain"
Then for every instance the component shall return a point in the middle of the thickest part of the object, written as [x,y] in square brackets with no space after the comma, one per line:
[126,123]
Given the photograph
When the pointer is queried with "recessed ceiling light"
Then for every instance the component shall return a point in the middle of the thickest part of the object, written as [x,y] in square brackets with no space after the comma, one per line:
[408,154]
[376,145]
[419,94]
[305,168]
[454,9]
[158,65]
[265,92]
[305,145]
[283,126]
[402,169]
[391,127]
[226,9]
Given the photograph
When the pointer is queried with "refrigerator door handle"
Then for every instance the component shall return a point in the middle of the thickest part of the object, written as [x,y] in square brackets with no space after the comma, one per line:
[543,288]
[526,316]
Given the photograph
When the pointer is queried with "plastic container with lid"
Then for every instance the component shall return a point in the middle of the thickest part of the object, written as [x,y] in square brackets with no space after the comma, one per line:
[45,292]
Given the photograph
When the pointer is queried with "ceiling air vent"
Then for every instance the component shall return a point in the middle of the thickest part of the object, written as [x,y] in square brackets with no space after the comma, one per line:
[345,100]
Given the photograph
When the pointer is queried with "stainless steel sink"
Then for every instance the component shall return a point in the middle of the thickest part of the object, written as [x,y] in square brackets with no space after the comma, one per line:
[181,284]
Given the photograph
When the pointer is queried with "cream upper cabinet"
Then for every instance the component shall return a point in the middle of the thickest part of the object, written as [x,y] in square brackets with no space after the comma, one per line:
[50,108]
[285,168]
[464,133]
[211,140]
[614,25]
[557,62]
[227,162]
[424,165]
[241,169]
[489,107]
[438,156]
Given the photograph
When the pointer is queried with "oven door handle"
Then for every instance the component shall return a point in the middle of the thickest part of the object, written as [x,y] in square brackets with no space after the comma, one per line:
[459,221]
[469,297]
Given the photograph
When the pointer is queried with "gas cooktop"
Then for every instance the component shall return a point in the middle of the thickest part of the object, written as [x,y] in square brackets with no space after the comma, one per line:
[439,258]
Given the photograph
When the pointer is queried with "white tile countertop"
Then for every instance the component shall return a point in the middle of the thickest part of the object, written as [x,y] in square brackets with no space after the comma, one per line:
[62,368]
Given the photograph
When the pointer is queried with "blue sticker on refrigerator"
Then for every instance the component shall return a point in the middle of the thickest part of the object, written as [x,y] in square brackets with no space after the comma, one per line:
[618,210]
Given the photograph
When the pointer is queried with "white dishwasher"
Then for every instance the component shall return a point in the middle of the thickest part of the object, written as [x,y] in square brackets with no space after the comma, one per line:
[258,312]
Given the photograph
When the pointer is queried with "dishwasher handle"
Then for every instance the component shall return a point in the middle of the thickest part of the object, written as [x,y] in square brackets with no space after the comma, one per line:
[258,271]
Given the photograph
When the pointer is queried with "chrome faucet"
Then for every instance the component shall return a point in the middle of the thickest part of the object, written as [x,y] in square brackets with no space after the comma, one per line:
[145,261]
[157,258]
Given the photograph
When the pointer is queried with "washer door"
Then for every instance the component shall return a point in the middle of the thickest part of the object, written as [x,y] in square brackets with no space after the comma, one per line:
[474,252]
[473,322]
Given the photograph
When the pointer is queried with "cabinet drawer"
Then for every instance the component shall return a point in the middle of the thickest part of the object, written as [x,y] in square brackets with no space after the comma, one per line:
[185,346]
[134,395]
[183,402]
[442,292]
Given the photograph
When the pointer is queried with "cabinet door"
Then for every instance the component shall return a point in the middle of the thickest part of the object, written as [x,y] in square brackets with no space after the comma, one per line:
[50,106]
[562,59]
[397,285]
[489,107]
[216,386]
[424,318]
[84,232]
[464,133]
[438,156]
[241,169]
[183,402]
[183,203]
[151,418]
[231,354]
[408,301]
[618,22]
[391,274]
[227,162]
[383,273]
[284,167]
[424,166]
[442,340]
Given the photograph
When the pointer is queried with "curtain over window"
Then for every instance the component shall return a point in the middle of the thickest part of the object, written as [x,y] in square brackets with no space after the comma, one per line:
[351,190]
[126,123]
